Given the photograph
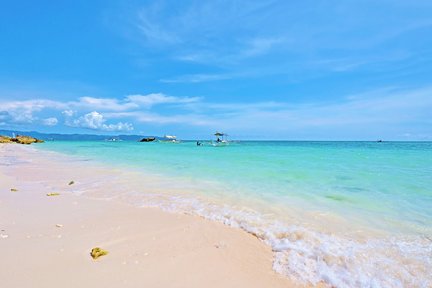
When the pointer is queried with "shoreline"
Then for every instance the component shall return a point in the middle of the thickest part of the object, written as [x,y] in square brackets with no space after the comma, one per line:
[48,239]
[295,253]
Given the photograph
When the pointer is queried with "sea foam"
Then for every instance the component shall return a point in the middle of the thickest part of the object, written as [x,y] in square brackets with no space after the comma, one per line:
[314,257]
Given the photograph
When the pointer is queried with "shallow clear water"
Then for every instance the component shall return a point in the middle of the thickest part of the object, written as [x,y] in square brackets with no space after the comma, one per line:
[318,190]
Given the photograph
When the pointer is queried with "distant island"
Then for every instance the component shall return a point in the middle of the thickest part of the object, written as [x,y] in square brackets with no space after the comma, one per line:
[71,137]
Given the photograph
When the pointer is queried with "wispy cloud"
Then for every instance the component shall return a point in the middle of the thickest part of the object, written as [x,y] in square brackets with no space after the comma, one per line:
[151,27]
[153,99]
[258,46]
[102,103]
[52,121]
[198,78]
[235,35]
[209,33]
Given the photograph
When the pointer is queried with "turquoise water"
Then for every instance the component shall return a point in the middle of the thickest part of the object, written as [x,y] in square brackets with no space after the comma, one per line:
[390,180]
[384,186]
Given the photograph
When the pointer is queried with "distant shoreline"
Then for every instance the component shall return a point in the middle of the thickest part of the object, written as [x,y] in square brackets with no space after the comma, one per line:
[131,137]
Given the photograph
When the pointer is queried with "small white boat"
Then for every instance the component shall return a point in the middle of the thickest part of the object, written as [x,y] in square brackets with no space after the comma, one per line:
[113,140]
[169,139]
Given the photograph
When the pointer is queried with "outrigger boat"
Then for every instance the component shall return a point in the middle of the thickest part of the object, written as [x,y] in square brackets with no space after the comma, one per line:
[169,139]
[221,139]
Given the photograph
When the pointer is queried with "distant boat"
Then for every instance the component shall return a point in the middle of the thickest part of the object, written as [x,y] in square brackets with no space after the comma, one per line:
[221,139]
[148,139]
[379,141]
[113,140]
[169,139]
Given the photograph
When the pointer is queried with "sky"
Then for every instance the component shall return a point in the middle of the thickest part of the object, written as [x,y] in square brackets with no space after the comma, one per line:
[283,70]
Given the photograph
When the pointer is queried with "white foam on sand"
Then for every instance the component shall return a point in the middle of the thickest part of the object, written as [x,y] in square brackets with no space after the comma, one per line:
[312,257]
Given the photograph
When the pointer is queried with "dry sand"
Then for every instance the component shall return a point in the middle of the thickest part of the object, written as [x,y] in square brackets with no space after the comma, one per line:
[147,247]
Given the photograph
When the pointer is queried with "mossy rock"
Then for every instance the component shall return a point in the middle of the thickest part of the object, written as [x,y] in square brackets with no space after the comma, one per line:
[14,190]
[98,252]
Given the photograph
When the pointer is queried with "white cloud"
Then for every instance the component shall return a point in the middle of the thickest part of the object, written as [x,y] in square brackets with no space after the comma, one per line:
[388,109]
[96,121]
[52,121]
[23,112]
[18,116]
[32,105]
[68,113]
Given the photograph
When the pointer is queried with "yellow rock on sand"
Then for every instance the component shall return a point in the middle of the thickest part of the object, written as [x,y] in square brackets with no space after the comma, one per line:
[98,252]
[21,139]
[14,190]
[5,139]
[53,194]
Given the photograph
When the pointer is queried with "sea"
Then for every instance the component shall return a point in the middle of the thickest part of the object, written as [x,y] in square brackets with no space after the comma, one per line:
[344,214]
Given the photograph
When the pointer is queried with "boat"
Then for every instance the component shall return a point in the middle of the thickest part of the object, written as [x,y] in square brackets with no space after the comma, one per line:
[113,140]
[169,139]
[148,139]
[221,139]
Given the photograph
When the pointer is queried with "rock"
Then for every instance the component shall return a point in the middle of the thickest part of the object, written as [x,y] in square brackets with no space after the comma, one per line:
[71,183]
[14,190]
[53,194]
[21,139]
[59,225]
[98,252]
[148,139]
[5,139]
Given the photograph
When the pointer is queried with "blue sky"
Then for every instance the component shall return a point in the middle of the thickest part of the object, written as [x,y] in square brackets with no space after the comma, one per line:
[324,70]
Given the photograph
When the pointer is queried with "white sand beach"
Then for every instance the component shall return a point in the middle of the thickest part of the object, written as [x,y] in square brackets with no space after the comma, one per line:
[46,240]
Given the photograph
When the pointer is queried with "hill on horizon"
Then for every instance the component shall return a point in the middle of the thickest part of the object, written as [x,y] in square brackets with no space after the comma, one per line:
[71,137]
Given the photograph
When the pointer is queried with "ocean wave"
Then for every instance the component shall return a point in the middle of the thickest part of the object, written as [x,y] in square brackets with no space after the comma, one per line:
[313,257]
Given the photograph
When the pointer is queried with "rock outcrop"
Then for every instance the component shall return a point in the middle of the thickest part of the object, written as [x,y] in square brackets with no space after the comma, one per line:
[5,139]
[20,139]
